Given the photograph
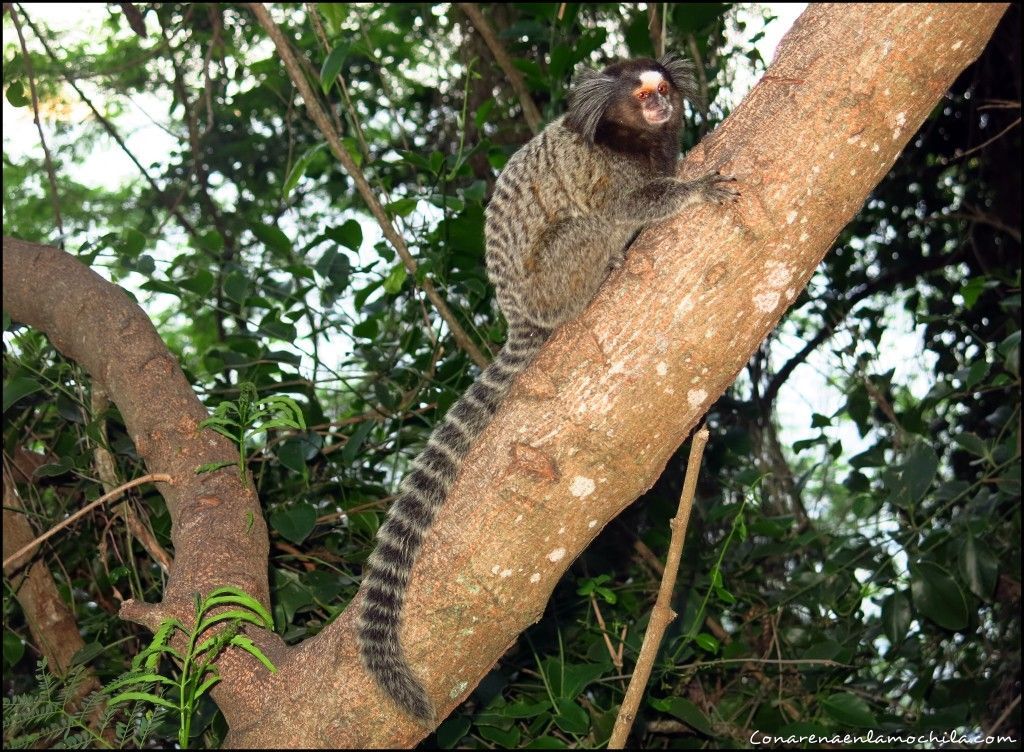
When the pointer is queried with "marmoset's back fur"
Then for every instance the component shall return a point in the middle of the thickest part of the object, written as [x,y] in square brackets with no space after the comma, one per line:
[564,210]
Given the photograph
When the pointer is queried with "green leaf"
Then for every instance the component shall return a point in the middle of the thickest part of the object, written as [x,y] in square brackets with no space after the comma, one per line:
[201,283]
[16,95]
[294,522]
[571,717]
[525,709]
[685,711]
[142,697]
[54,469]
[243,642]
[286,404]
[19,387]
[858,406]
[332,65]
[482,112]
[937,596]
[139,678]
[355,441]
[849,710]
[972,443]
[14,648]
[450,733]
[349,234]
[236,287]
[505,739]
[209,467]
[230,615]
[273,238]
[292,454]
[576,678]
[896,617]
[131,242]
[202,688]
[396,277]
[979,567]
[975,373]
[229,595]
[915,475]
[299,169]
[972,290]
[707,642]
[402,207]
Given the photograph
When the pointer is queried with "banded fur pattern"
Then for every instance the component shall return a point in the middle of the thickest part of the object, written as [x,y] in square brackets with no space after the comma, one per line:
[564,209]
[550,237]
[424,490]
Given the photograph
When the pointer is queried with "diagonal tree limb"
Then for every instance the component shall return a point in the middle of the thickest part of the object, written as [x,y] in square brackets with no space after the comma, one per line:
[217,526]
[590,425]
[320,118]
[110,129]
[47,159]
[515,78]
[884,282]
[662,615]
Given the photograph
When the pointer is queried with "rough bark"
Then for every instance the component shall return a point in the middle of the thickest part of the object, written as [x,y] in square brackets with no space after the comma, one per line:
[592,423]
[217,526]
[52,624]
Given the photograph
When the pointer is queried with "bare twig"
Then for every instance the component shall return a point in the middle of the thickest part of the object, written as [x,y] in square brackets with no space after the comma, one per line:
[616,656]
[151,478]
[1003,716]
[320,118]
[982,145]
[656,27]
[515,78]
[662,614]
[106,469]
[50,175]
[109,128]
[702,82]
[318,28]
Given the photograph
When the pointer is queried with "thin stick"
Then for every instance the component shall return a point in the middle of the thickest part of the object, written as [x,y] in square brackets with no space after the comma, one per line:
[616,657]
[515,78]
[109,128]
[151,478]
[319,117]
[662,615]
[50,175]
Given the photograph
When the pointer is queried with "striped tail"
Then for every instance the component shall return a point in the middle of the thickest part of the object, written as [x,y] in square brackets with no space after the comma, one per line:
[424,490]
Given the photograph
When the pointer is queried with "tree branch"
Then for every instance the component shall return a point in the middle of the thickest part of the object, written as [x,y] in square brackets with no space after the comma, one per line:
[883,282]
[515,78]
[51,176]
[110,129]
[217,526]
[321,120]
[590,425]
[662,614]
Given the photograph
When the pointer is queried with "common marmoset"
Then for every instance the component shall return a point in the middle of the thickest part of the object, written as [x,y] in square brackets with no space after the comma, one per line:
[564,209]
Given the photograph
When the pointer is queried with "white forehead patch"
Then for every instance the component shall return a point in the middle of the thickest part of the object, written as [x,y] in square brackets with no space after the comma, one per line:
[651,79]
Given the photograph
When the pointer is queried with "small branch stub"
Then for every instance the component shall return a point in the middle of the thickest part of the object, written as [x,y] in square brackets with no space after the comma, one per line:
[662,615]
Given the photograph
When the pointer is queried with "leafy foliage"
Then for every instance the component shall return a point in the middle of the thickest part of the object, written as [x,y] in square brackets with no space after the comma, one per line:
[198,673]
[58,714]
[854,558]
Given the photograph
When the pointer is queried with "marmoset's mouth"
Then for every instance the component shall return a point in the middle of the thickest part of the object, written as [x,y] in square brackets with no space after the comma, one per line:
[658,116]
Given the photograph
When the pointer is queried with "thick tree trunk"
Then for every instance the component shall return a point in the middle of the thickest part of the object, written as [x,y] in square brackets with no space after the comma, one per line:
[592,423]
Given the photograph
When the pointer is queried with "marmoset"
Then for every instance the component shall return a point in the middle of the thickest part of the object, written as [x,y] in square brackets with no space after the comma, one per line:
[564,209]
